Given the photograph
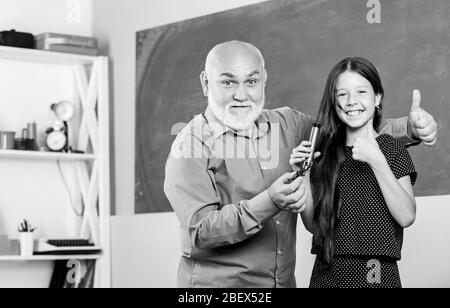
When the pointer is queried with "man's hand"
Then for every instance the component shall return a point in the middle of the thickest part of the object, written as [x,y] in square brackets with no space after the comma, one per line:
[288,195]
[367,149]
[421,123]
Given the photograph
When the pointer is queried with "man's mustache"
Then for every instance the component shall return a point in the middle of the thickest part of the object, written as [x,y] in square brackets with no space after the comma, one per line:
[242,105]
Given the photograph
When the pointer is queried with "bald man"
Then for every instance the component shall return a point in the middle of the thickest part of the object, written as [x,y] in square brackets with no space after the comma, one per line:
[228,177]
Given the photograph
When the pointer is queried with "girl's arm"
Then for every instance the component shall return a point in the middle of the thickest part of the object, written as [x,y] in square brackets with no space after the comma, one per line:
[308,212]
[398,194]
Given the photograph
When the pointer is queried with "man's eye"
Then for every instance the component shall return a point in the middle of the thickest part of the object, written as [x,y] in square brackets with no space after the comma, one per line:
[227,83]
[252,82]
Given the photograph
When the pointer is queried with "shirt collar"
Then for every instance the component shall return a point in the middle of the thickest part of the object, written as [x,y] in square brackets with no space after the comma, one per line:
[218,129]
[262,125]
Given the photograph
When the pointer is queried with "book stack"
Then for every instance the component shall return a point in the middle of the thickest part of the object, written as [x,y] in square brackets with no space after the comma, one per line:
[67,43]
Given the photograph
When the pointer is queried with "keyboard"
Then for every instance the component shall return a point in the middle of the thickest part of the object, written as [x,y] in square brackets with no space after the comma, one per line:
[70,242]
[65,246]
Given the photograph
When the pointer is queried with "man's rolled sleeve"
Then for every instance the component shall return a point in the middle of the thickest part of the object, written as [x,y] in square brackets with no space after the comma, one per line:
[398,128]
[191,191]
[261,206]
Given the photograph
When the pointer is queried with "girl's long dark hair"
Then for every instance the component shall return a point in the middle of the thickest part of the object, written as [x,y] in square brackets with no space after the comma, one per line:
[331,144]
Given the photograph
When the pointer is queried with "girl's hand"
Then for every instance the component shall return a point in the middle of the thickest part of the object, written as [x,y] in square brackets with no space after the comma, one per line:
[367,149]
[300,153]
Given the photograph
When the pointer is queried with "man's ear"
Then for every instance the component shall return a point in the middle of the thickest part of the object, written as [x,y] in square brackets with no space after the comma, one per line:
[204,82]
[265,76]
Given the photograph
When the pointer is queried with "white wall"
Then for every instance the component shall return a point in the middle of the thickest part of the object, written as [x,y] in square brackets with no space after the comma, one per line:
[60,16]
[426,248]
[145,250]
[25,95]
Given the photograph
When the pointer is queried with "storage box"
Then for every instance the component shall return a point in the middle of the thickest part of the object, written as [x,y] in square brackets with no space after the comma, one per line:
[67,43]
[17,39]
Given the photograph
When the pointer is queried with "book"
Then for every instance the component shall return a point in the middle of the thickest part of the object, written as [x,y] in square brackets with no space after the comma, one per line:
[67,43]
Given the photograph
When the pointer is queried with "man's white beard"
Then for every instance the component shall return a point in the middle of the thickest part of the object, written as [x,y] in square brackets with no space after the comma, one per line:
[236,121]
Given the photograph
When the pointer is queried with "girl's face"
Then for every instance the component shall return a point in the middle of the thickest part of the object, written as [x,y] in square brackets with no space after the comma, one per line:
[355,100]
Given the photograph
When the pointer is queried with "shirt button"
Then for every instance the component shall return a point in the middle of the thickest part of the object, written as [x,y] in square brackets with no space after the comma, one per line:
[278,222]
[280,252]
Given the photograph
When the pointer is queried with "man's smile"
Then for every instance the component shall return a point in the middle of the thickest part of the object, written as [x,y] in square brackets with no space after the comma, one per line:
[240,106]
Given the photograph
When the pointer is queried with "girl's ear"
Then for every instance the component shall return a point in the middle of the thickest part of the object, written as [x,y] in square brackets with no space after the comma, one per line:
[378,99]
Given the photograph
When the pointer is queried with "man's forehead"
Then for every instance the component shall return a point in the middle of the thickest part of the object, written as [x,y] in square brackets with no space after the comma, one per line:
[235,58]
[237,64]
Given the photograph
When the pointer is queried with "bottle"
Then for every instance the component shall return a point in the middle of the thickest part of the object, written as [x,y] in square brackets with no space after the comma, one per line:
[31,141]
[20,143]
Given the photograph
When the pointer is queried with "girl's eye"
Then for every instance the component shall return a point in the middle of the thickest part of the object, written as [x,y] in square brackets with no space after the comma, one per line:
[342,94]
[362,91]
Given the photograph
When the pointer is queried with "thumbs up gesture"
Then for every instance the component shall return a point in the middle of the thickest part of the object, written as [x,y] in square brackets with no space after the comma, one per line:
[421,124]
[366,149]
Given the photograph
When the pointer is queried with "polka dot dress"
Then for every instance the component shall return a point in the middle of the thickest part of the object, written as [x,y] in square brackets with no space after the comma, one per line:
[356,272]
[368,240]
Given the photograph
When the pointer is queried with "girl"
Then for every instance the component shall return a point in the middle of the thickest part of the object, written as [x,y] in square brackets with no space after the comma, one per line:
[361,184]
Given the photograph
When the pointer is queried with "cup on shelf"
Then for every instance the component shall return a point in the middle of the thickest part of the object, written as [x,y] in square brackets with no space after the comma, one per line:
[7,140]
[26,244]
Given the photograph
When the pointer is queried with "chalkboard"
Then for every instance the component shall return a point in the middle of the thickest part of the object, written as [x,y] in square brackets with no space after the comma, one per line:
[301,41]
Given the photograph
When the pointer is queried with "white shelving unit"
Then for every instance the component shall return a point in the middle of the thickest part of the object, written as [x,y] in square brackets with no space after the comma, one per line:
[42,56]
[51,257]
[91,170]
[38,155]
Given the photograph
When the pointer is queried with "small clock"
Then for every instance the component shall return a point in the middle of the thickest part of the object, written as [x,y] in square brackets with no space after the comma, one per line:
[56,139]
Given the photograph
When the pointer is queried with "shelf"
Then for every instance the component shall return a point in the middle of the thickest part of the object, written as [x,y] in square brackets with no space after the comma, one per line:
[42,155]
[90,176]
[44,56]
[51,257]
